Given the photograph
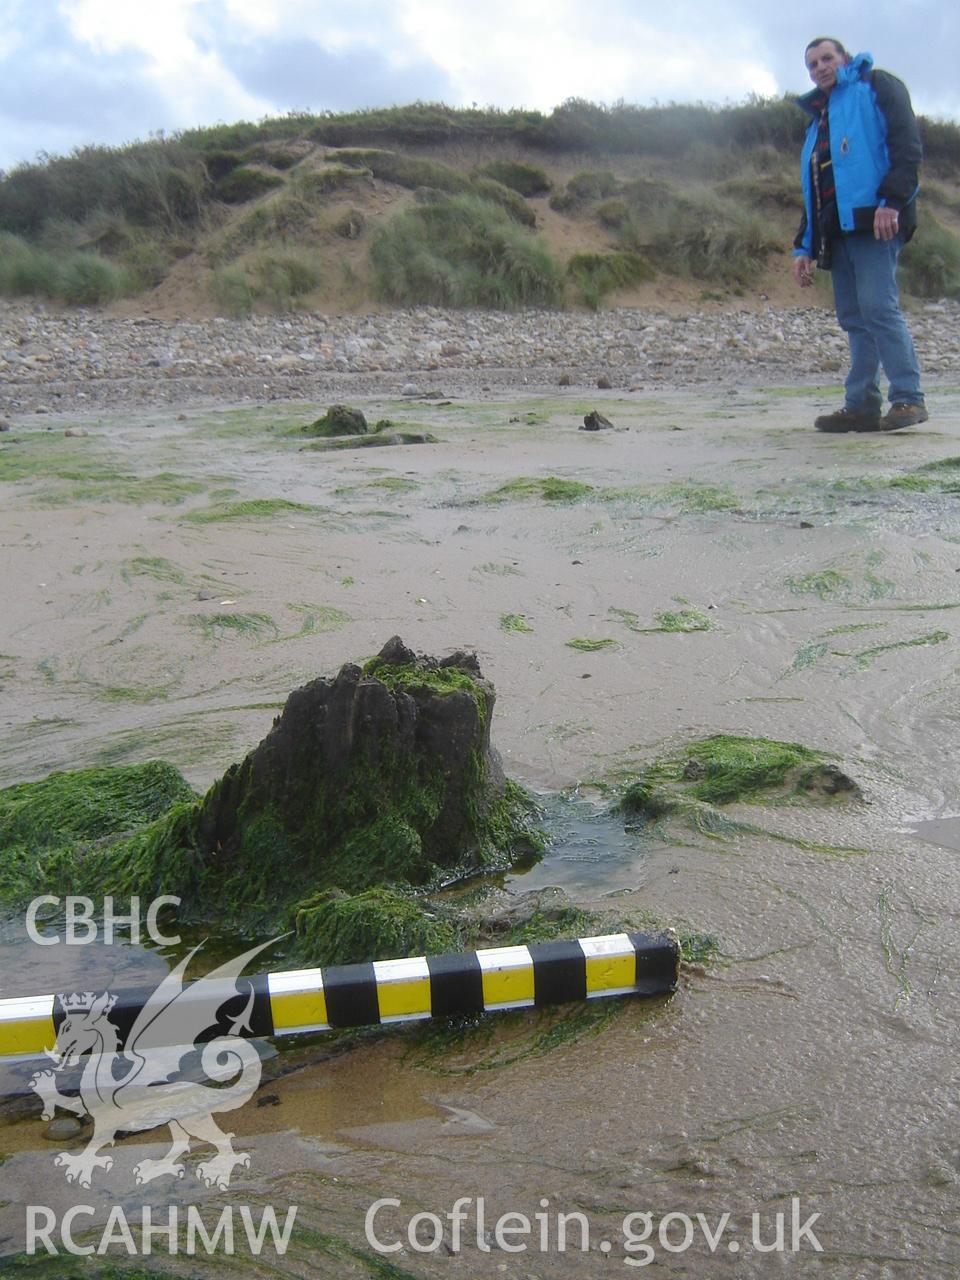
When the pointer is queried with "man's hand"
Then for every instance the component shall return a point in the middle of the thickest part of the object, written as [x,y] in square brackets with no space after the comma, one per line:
[803,272]
[886,223]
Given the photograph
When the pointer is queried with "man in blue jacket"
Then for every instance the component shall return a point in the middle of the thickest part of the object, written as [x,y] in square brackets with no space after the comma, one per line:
[859,174]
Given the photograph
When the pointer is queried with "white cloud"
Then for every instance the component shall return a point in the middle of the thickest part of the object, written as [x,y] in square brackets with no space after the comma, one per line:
[540,52]
[191,78]
[86,71]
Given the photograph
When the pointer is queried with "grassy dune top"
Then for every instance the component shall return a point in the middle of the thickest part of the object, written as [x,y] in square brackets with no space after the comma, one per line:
[426,204]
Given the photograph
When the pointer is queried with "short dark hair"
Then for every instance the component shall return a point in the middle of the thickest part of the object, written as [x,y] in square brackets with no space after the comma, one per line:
[826,40]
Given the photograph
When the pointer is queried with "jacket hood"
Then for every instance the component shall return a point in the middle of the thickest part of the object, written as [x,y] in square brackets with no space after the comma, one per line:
[859,66]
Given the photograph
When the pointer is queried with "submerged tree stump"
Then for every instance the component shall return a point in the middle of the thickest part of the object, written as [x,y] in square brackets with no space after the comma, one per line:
[384,772]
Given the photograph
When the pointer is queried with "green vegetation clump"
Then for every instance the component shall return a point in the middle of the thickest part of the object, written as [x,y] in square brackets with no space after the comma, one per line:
[377,924]
[699,498]
[930,263]
[89,804]
[335,177]
[683,620]
[613,213]
[274,157]
[462,252]
[80,279]
[432,679]
[45,824]
[516,623]
[865,656]
[286,217]
[153,184]
[214,626]
[583,188]
[252,509]
[405,171]
[219,163]
[737,768]
[526,179]
[242,184]
[339,420]
[548,489]
[597,274]
[277,279]
[498,194]
[824,583]
[704,238]
[725,768]
[350,225]
[320,618]
[591,646]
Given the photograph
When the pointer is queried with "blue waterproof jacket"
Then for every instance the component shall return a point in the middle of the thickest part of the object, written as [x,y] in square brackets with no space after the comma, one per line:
[874,145]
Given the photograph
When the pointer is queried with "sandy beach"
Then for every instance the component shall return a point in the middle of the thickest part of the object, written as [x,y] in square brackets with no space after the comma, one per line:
[173,572]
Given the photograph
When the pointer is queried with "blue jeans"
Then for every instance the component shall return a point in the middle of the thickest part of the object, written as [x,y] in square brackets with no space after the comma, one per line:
[864,274]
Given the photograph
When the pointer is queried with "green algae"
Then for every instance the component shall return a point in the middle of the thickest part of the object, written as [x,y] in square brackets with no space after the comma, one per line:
[530,1034]
[825,584]
[318,619]
[626,616]
[77,471]
[156,567]
[691,498]
[832,584]
[897,957]
[133,693]
[680,620]
[515,623]
[851,628]
[390,484]
[51,456]
[694,785]
[377,924]
[163,488]
[683,620]
[585,645]
[46,825]
[720,770]
[547,489]
[217,626]
[688,498]
[864,657]
[442,680]
[500,570]
[924,608]
[252,509]
[382,436]
[339,420]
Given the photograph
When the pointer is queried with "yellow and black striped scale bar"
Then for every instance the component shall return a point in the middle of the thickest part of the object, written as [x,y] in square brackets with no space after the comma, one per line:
[387,991]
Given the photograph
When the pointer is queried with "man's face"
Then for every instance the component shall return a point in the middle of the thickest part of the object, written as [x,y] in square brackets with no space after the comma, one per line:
[822,63]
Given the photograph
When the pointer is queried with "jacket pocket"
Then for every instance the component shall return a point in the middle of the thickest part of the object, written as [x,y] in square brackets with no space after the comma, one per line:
[863,217]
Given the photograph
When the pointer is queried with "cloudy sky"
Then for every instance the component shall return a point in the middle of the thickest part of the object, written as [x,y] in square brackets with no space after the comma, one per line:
[74,72]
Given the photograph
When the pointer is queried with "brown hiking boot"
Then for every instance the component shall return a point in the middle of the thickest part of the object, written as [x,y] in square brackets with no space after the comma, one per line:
[903,415]
[849,420]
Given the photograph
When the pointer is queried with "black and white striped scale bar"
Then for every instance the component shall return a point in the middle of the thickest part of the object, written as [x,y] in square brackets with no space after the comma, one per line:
[387,991]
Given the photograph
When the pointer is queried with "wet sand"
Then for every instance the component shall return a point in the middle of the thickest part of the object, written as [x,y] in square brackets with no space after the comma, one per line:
[815,1059]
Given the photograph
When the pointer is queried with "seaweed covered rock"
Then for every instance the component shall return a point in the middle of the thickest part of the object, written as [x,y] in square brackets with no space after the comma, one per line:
[49,824]
[381,776]
[339,420]
[725,769]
